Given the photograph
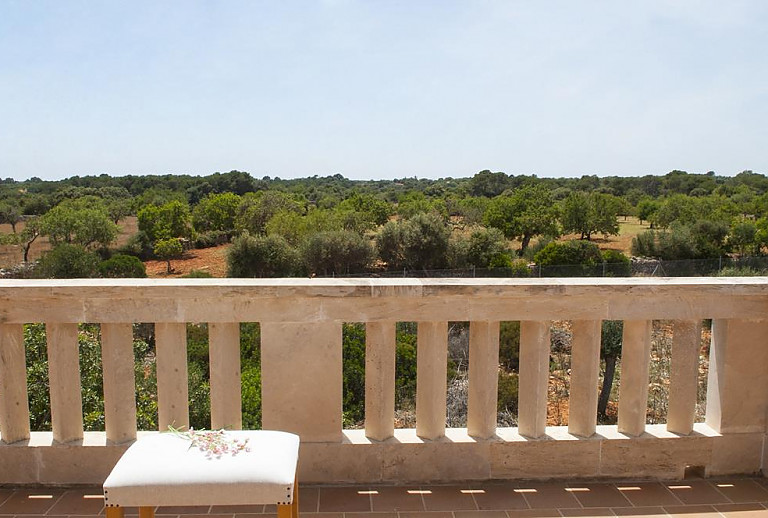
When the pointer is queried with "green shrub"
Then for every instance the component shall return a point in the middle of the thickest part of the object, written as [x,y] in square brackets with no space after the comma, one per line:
[68,262]
[210,239]
[337,252]
[122,266]
[270,256]
[508,392]
[502,260]
[197,274]
[616,264]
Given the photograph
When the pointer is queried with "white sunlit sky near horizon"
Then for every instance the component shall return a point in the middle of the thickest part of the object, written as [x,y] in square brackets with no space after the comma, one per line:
[379,90]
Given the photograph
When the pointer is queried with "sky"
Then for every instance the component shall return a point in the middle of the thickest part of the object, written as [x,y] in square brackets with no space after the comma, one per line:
[382,89]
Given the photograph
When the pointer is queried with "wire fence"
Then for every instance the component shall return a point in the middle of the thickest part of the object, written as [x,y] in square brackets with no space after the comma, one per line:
[635,268]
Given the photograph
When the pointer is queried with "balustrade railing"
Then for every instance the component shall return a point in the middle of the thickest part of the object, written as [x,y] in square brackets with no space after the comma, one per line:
[301,340]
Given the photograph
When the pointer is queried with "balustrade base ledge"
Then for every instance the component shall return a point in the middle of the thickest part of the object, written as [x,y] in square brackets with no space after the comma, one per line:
[406,458]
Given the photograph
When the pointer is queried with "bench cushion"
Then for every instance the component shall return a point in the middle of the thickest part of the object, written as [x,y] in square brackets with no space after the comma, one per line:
[164,469]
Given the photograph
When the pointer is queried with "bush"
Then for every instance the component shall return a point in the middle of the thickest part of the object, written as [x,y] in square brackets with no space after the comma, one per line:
[484,246]
[425,242]
[68,262]
[122,266]
[338,252]
[197,274]
[616,264]
[502,260]
[389,245]
[739,271]
[569,259]
[138,245]
[508,391]
[269,256]
[211,238]
[644,244]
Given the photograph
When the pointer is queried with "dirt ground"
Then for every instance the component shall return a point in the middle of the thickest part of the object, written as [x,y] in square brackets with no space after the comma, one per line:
[623,242]
[211,260]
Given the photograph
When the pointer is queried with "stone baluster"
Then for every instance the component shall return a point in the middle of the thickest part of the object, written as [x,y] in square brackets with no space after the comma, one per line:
[379,380]
[684,376]
[585,368]
[172,378]
[14,402]
[633,388]
[119,382]
[224,354]
[483,379]
[64,381]
[301,379]
[737,390]
[431,374]
[534,378]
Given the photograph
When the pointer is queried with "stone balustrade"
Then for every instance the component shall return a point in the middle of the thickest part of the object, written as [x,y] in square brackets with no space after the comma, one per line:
[301,352]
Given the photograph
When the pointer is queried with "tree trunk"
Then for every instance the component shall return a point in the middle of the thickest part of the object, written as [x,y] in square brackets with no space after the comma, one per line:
[605,391]
[169,266]
[524,243]
[13,226]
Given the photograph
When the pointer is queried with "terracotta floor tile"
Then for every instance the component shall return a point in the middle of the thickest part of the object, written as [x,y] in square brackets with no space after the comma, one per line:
[265,515]
[741,490]
[396,498]
[324,515]
[499,496]
[692,511]
[533,513]
[223,515]
[344,499]
[426,514]
[692,492]
[547,495]
[308,497]
[5,494]
[40,502]
[592,511]
[247,515]
[80,502]
[183,509]
[647,494]
[750,510]
[480,514]
[369,515]
[598,495]
[448,498]
[237,509]
[639,512]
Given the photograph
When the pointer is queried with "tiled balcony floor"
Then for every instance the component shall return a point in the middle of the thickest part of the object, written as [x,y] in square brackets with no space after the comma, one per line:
[730,498]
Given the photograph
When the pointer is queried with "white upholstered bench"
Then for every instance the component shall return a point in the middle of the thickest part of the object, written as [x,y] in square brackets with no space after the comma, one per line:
[165,470]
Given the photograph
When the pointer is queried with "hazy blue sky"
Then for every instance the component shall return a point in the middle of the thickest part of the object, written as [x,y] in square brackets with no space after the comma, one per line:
[382,89]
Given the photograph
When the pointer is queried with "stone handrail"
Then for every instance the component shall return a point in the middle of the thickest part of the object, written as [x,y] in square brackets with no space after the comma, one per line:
[301,337]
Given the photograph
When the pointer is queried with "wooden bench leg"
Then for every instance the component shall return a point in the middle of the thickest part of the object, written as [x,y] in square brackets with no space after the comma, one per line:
[146,512]
[283,510]
[295,503]
[115,512]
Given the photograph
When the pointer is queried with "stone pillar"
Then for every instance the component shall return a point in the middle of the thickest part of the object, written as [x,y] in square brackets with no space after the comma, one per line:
[633,387]
[684,376]
[380,380]
[224,355]
[483,379]
[172,377]
[64,382]
[14,401]
[585,369]
[431,383]
[119,382]
[534,378]
[301,379]
[737,392]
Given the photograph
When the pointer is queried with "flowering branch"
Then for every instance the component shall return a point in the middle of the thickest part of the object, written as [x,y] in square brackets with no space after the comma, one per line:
[214,443]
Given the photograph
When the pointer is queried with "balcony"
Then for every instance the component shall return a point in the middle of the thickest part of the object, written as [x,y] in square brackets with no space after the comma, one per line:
[301,347]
